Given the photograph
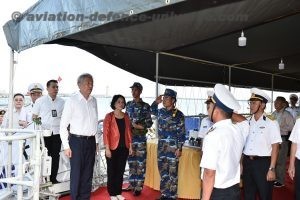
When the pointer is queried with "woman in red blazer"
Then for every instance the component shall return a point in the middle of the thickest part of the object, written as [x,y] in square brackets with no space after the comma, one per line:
[117,141]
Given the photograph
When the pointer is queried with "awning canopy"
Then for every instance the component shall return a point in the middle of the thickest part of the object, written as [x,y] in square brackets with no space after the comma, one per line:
[197,40]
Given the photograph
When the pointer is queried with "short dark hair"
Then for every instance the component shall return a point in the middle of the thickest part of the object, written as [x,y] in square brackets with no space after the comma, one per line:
[19,94]
[114,100]
[51,81]
[281,99]
[227,115]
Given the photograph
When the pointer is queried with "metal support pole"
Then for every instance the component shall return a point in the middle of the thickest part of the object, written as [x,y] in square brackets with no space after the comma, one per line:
[10,111]
[229,78]
[272,93]
[37,166]
[156,73]
[20,170]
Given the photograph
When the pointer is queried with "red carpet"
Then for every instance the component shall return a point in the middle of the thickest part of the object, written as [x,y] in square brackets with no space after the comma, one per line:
[102,194]
[286,192]
[283,193]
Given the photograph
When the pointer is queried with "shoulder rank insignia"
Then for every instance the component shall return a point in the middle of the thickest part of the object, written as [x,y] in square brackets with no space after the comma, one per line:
[27,105]
[210,130]
[271,117]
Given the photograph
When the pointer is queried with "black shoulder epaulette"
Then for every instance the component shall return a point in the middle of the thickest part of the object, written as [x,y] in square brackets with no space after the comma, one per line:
[211,129]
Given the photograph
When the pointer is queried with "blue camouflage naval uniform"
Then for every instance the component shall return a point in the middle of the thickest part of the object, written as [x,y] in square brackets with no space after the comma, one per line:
[139,113]
[171,136]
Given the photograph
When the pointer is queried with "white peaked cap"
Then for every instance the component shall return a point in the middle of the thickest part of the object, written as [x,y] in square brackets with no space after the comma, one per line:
[224,99]
[260,95]
[35,87]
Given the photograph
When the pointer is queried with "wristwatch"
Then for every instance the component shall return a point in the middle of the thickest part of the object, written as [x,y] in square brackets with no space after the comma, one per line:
[272,169]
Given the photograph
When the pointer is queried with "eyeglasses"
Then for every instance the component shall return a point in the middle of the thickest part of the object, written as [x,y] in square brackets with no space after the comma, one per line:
[252,102]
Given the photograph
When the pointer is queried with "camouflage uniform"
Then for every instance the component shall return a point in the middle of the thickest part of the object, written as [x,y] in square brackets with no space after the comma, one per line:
[139,113]
[171,136]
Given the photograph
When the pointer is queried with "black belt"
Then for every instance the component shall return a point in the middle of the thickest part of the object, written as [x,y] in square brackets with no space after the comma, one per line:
[83,136]
[285,137]
[257,157]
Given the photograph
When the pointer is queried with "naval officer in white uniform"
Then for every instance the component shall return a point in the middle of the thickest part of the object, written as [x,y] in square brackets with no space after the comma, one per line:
[261,149]
[206,123]
[222,148]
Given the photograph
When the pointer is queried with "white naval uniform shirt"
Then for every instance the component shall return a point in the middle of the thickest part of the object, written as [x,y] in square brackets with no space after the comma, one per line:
[43,107]
[295,137]
[205,125]
[222,150]
[262,134]
[285,120]
[16,118]
[82,115]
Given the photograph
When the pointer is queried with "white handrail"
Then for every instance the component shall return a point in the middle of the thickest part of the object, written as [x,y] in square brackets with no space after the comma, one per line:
[36,160]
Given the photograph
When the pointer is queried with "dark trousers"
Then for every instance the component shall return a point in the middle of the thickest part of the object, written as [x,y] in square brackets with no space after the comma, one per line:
[281,160]
[115,170]
[231,193]
[82,165]
[53,144]
[297,178]
[255,178]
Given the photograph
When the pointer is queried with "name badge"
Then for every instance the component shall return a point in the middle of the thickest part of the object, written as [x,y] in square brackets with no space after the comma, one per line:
[54,113]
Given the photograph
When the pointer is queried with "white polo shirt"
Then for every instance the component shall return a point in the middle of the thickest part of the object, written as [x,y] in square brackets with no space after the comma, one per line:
[222,150]
[295,137]
[262,134]
[82,115]
[44,107]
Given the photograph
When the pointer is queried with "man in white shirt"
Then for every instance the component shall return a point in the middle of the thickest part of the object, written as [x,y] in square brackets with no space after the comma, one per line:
[222,148]
[81,114]
[286,123]
[261,149]
[35,91]
[50,108]
[293,109]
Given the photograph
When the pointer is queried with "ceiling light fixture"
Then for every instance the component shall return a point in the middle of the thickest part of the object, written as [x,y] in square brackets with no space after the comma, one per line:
[281,65]
[242,40]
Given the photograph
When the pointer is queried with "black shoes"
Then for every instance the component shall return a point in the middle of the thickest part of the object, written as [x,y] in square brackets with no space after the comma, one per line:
[129,188]
[277,184]
[55,181]
[136,193]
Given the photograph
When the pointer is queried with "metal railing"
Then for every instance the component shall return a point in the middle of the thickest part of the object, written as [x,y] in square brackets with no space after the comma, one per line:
[35,161]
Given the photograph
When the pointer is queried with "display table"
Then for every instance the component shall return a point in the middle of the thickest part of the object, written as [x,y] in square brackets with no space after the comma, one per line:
[189,183]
